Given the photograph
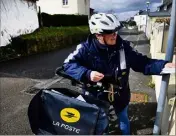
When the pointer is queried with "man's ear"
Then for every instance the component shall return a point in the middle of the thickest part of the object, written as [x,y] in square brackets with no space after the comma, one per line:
[98,36]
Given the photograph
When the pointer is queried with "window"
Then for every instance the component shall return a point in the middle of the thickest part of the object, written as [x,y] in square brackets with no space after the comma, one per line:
[65,2]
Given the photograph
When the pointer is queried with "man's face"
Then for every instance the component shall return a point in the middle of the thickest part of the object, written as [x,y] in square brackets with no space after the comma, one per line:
[109,39]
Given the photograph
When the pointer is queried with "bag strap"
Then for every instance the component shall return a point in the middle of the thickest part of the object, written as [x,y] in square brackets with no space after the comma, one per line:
[122,59]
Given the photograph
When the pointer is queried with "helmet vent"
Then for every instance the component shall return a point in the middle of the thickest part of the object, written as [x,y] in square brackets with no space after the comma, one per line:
[93,23]
[103,22]
[110,18]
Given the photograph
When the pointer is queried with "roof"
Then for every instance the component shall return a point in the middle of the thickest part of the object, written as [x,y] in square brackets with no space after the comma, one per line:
[167,3]
[159,14]
[141,12]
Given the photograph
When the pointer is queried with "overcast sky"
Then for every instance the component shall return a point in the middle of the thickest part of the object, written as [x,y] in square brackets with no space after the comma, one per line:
[123,8]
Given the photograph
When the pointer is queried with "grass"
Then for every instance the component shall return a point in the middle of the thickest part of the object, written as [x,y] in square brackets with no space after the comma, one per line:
[151,84]
[56,31]
[43,40]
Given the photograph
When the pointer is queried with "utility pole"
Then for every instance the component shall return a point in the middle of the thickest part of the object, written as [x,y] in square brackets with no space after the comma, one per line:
[148,3]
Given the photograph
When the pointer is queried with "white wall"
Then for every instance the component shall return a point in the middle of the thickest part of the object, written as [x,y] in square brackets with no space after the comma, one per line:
[149,27]
[80,7]
[137,20]
[156,53]
[140,19]
[56,7]
[143,19]
[156,49]
[17,17]
[140,22]
[83,7]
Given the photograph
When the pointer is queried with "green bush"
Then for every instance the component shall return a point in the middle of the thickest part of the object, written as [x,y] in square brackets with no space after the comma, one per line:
[58,20]
[132,23]
[43,40]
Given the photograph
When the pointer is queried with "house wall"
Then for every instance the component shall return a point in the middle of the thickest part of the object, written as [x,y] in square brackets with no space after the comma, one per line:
[158,42]
[172,124]
[83,7]
[17,17]
[143,19]
[56,7]
[156,39]
[141,22]
[80,7]
[137,20]
[151,24]
[149,27]
[165,39]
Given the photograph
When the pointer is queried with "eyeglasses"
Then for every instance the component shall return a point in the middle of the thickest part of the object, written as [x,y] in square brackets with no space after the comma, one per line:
[115,31]
[110,34]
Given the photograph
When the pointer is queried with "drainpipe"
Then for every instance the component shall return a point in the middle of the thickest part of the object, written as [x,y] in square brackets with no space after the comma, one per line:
[165,78]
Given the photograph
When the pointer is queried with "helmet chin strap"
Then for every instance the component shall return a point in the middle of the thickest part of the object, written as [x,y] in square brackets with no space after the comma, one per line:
[104,41]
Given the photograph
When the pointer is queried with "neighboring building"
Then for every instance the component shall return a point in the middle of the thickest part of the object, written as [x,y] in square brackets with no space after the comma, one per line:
[155,17]
[78,7]
[163,13]
[157,31]
[165,6]
[141,20]
[17,17]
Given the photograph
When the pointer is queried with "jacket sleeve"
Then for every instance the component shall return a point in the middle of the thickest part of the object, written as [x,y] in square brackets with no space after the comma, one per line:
[74,65]
[141,63]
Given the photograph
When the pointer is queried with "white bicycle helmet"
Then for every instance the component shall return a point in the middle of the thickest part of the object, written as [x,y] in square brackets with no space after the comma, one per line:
[103,23]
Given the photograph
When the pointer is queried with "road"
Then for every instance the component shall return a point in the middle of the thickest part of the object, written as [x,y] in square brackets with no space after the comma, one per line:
[18,76]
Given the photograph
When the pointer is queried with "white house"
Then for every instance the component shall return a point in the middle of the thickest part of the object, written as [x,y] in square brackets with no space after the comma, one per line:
[79,7]
[17,17]
[141,20]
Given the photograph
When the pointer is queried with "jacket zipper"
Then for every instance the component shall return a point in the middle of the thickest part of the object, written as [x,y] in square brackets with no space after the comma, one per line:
[111,55]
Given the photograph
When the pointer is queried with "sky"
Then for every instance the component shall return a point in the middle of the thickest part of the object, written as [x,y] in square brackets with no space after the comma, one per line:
[123,8]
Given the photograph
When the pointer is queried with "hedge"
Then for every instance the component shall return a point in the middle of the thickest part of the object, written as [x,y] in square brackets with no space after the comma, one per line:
[43,40]
[58,20]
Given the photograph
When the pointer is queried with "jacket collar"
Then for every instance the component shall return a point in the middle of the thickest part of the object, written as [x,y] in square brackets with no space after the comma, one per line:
[95,47]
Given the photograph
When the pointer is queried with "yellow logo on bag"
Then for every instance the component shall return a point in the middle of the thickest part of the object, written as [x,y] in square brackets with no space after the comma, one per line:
[70,115]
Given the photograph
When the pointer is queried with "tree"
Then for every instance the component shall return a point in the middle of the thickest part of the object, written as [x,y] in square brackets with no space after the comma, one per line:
[131,23]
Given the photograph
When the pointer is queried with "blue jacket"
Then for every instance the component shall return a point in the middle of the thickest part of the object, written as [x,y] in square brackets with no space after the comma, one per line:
[92,56]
